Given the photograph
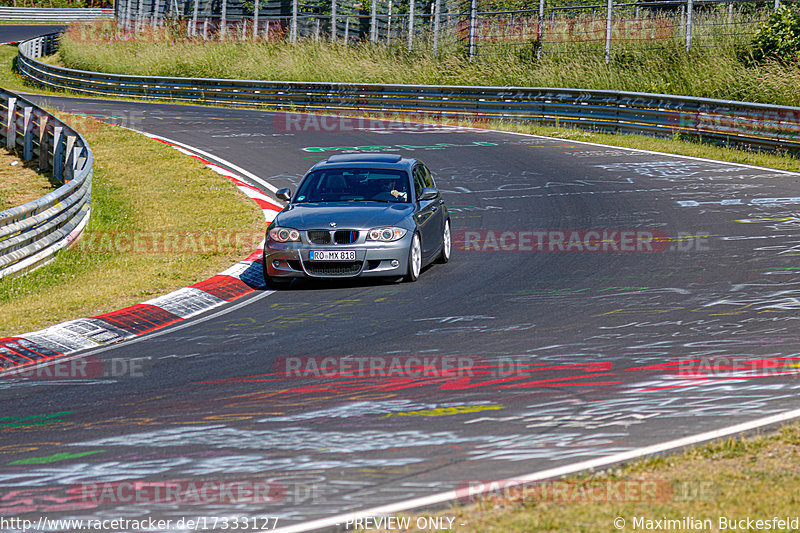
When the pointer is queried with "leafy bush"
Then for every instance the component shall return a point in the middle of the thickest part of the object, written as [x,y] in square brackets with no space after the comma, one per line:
[778,37]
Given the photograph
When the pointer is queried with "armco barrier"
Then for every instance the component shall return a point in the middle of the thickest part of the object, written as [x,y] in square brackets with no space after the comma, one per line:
[737,123]
[53,14]
[30,234]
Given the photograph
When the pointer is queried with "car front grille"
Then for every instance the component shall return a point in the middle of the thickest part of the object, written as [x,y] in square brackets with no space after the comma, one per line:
[319,236]
[345,236]
[323,236]
[333,268]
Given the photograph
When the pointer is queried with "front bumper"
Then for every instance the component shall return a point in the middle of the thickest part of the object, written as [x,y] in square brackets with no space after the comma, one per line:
[373,259]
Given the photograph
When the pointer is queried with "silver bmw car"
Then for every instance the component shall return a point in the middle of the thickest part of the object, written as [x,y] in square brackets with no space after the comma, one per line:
[358,215]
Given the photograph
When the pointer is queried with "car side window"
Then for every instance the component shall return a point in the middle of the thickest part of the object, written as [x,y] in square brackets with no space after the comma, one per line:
[427,178]
[419,180]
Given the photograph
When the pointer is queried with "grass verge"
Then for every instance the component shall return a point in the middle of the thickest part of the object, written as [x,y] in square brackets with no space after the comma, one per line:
[734,478]
[160,221]
[20,182]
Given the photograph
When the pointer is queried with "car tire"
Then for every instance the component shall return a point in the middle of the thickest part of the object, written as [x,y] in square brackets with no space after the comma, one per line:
[447,243]
[414,259]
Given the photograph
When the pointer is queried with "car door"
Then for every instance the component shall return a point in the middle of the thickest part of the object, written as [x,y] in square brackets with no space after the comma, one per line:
[426,218]
[439,211]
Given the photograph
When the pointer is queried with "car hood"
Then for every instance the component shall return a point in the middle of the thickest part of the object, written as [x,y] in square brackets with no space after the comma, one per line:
[346,215]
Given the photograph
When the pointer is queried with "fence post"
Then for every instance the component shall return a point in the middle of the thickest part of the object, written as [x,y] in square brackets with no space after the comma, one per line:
[373,22]
[777,5]
[128,14]
[609,14]
[223,23]
[58,153]
[11,124]
[293,36]
[194,17]
[316,29]
[411,24]
[266,31]
[139,16]
[255,20]
[473,27]
[689,10]
[540,30]
[389,25]
[155,14]
[205,29]
[346,29]
[437,9]
[27,132]
[333,20]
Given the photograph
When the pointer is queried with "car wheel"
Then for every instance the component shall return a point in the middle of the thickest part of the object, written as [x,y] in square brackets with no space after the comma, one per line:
[444,255]
[271,282]
[414,259]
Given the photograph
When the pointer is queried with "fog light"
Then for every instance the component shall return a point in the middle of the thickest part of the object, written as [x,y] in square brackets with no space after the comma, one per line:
[276,264]
[395,263]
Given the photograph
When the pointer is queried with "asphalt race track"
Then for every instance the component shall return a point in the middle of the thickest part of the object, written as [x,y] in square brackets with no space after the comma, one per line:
[12,33]
[537,352]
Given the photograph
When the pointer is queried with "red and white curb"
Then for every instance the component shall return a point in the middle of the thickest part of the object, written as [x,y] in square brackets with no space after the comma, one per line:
[239,280]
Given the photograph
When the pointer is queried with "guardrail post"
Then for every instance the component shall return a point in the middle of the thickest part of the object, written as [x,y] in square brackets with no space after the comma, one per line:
[609,14]
[689,11]
[11,124]
[44,160]
[69,162]
[58,153]
[27,131]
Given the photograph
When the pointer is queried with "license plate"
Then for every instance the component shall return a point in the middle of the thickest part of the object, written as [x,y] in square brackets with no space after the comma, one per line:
[332,255]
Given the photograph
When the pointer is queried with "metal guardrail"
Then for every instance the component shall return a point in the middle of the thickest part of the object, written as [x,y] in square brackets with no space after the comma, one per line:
[32,233]
[745,124]
[54,14]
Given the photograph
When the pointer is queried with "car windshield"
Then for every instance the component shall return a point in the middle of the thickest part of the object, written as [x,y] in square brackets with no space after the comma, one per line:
[354,185]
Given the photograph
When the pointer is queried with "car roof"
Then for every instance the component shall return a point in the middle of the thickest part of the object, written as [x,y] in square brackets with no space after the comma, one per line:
[361,160]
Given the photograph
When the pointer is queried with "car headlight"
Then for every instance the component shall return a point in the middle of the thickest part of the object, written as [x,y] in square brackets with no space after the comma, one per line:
[279,234]
[386,234]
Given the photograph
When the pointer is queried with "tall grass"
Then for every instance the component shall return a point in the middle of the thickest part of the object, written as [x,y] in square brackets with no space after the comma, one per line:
[715,67]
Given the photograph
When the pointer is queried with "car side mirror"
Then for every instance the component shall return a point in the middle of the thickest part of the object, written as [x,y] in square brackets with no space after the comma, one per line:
[428,193]
[284,194]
